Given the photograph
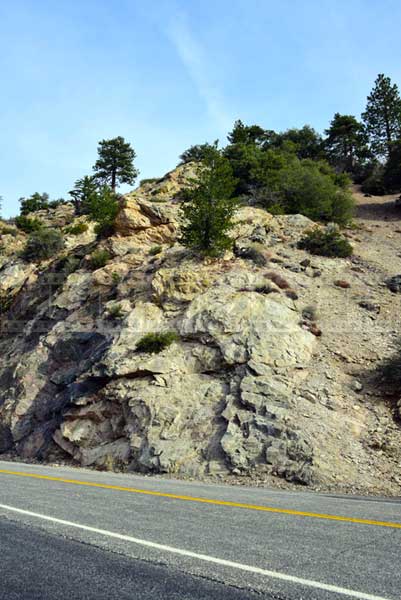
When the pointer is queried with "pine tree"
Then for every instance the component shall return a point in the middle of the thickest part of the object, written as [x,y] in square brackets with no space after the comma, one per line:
[83,192]
[196,153]
[248,134]
[305,142]
[392,169]
[346,142]
[208,208]
[382,116]
[115,164]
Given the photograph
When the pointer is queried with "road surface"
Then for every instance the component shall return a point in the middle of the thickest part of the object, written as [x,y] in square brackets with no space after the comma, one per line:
[74,533]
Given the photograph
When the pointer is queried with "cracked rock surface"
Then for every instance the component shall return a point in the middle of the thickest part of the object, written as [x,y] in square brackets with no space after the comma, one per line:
[248,391]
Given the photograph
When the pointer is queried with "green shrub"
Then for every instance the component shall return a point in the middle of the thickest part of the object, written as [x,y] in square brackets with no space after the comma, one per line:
[116,311]
[99,258]
[76,229]
[149,180]
[6,230]
[28,225]
[374,183]
[103,208]
[283,180]
[326,242]
[153,343]
[158,199]
[104,230]
[276,209]
[70,264]
[6,301]
[306,188]
[43,244]
[155,250]
[33,203]
[57,203]
[116,278]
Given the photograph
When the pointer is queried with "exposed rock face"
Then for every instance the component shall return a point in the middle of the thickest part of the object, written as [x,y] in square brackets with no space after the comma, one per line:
[61,215]
[149,222]
[167,188]
[245,389]
[6,439]
[248,327]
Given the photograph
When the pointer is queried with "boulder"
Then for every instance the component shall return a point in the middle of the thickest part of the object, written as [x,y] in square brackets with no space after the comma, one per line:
[248,327]
[148,222]
[111,456]
[394,284]
[180,284]
[13,275]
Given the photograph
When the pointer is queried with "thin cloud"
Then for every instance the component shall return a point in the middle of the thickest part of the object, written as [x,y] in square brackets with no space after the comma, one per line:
[197,63]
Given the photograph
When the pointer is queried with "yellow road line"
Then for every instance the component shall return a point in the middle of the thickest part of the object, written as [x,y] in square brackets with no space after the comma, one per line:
[271,509]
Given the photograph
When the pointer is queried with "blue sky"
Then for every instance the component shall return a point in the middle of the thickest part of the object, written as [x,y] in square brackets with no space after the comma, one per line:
[169,73]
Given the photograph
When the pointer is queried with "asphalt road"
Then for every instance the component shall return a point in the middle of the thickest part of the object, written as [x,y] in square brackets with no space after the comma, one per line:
[102,535]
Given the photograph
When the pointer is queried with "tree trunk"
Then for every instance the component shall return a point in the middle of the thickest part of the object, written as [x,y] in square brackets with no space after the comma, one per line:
[388,132]
[113,181]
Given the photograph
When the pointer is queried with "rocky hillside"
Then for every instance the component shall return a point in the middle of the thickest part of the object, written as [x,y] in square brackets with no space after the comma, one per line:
[272,374]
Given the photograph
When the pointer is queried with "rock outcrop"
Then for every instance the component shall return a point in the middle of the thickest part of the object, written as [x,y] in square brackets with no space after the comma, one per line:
[247,388]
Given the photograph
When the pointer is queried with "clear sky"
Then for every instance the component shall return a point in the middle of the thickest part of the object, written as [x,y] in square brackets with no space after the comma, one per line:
[166,74]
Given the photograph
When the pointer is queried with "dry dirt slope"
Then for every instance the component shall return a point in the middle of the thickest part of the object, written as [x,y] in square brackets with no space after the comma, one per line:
[361,327]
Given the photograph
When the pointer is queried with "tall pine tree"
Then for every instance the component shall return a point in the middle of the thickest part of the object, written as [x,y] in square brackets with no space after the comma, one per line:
[346,143]
[115,164]
[382,116]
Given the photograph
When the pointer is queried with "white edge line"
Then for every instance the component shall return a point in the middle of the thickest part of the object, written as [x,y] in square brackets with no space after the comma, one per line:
[206,558]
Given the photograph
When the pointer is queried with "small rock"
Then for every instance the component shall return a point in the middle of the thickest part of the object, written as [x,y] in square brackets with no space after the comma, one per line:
[370,306]
[307,395]
[341,283]
[394,284]
[315,330]
[305,263]
[357,386]
[277,260]
[309,313]
[293,268]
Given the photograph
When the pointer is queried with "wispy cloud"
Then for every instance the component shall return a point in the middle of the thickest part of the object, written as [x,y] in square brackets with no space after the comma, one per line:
[198,63]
